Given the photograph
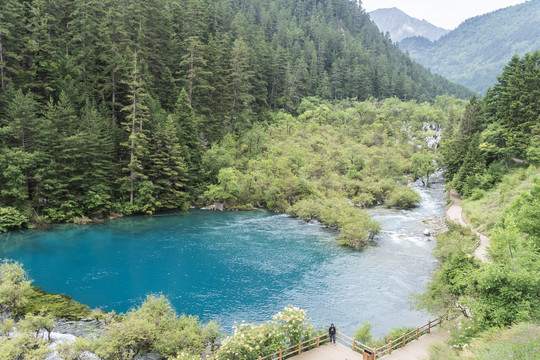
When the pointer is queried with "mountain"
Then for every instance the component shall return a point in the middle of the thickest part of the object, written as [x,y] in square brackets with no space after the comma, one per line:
[476,52]
[400,25]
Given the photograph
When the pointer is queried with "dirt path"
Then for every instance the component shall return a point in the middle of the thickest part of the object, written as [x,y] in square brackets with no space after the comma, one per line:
[454,214]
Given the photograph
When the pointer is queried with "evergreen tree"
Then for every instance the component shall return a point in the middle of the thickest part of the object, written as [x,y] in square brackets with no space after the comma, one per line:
[168,171]
[137,114]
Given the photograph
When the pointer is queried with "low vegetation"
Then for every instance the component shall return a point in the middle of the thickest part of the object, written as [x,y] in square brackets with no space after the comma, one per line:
[495,295]
[519,342]
[330,161]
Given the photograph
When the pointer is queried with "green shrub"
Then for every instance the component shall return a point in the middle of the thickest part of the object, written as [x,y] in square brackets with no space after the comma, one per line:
[402,197]
[15,288]
[355,225]
[249,341]
[363,333]
[154,326]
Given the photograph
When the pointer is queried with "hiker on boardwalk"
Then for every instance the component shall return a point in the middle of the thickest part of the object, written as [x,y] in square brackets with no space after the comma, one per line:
[332,333]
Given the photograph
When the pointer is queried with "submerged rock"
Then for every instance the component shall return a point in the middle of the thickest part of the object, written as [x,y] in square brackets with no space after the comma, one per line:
[426,232]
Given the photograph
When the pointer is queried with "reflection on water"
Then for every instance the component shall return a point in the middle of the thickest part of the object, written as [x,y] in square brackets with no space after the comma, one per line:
[234,266]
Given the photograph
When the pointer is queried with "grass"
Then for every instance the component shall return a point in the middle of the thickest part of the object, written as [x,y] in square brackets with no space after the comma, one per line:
[484,208]
[520,342]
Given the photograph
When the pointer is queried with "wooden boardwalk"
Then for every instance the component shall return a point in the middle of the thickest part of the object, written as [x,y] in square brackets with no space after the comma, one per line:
[330,352]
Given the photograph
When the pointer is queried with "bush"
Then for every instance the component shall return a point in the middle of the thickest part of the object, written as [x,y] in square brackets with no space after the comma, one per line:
[14,287]
[154,326]
[355,225]
[402,197]
[363,333]
[11,218]
[249,341]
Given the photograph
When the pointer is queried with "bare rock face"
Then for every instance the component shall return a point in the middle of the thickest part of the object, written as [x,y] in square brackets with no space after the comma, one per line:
[400,25]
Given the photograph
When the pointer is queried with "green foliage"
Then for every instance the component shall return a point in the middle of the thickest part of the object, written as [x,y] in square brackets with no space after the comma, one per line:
[24,346]
[37,323]
[75,350]
[154,326]
[355,225]
[499,132]
[15,288]
[484,212]
[331,156]
[519,342]
[11,218]
[252,341]
[363,333]
[456,239]
[212,333]
[57,305]
[505,290]
[402,197]
[105,103]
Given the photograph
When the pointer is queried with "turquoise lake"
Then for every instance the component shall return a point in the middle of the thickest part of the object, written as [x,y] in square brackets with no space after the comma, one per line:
[238,266]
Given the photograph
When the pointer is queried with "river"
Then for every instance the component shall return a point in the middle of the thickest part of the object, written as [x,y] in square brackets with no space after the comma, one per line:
[239,266]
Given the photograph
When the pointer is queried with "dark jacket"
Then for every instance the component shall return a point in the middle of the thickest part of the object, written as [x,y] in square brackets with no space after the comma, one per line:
[332,330]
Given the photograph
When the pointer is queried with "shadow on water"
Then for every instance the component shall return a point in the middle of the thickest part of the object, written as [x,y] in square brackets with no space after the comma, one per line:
[234,266]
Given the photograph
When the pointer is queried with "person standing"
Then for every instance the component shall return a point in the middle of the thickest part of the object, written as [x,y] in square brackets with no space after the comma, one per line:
[332,333]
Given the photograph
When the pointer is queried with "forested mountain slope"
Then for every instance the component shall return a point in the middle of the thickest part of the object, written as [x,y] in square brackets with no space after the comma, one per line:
[401,25]
[106,102]
[476,52]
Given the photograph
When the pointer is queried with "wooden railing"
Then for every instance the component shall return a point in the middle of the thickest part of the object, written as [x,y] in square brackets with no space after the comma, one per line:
[355,345]
[298,348]
[408,337]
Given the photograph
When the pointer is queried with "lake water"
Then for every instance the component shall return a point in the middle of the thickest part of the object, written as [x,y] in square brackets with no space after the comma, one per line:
[238,266]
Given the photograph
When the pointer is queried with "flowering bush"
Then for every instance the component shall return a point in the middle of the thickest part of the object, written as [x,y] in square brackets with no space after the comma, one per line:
[294,326]
[251,341]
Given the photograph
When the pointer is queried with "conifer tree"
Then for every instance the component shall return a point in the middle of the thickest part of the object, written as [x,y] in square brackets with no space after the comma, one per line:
[136,116]
[240,81]
[168,170]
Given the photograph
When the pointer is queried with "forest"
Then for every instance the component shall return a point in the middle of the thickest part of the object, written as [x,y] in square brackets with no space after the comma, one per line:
[107,107]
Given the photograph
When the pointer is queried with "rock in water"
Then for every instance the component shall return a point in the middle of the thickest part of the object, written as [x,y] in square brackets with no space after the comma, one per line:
[427,232]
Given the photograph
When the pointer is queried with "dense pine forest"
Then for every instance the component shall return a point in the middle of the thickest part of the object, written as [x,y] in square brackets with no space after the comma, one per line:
[108,106]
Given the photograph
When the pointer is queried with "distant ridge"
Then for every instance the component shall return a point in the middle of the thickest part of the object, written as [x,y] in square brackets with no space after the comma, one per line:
[400,25]
[476,52]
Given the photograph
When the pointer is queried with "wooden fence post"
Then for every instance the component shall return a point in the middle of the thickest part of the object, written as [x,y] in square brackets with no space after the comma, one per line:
[280,354]
[429,326]
[416,333]
[403,339]
[390,347]
[299,348]
[318,336]
[353,344]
